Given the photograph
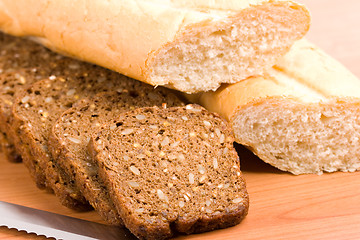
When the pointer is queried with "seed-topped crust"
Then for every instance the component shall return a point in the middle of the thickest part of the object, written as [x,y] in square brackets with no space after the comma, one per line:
[171,170]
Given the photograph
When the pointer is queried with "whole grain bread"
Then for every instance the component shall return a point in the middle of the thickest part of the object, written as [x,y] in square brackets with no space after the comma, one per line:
[71,134]
[24,62]
[171,170]
[34,112]
[12,83]
[38,107]
[18,58]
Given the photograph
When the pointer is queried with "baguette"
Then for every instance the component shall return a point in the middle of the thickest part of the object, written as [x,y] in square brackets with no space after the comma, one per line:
[302,117]
[187,45]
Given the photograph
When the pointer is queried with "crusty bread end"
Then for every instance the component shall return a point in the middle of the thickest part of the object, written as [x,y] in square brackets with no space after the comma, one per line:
[302,116]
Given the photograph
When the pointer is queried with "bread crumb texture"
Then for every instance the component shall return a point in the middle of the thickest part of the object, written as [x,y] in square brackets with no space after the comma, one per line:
[229,49]
[171,170]
[302,138]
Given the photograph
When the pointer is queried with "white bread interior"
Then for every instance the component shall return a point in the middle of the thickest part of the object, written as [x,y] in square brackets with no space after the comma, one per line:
[187,45]
[303,116]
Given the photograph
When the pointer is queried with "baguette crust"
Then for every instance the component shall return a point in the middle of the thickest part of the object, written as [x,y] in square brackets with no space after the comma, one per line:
[138,38]
[305,93]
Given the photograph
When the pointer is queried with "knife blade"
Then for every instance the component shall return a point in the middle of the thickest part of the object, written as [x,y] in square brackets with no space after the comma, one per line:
[57,226]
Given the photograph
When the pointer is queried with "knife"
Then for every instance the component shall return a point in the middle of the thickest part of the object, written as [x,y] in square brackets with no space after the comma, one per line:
[57,226]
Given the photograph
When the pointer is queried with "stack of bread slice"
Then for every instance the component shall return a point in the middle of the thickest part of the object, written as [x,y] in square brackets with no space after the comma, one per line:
[139,155]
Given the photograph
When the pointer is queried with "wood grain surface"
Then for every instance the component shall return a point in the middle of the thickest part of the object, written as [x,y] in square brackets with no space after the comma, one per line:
[282,206]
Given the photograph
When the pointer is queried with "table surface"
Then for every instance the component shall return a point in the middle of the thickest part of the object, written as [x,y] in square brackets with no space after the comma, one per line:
[282,206]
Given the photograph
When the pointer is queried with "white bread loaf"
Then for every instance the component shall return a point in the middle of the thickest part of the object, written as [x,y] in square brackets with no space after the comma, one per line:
[183,44]
[302,117]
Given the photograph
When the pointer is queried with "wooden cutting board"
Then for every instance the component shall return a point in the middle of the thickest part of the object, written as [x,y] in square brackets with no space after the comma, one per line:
[282,206]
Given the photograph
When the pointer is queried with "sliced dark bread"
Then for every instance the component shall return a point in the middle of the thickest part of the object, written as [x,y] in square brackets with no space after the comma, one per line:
[23,62]
[12,83]
[15,54]
[37,109]
[171,170]
[71,134]
[32,120]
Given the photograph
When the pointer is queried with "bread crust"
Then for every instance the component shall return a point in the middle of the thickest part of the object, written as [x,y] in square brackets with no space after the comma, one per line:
[129,36]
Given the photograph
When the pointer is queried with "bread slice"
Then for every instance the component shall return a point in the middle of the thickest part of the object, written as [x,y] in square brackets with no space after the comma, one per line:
[12,83]
[17,68]
[37,109]
[301,117]
[171,170]
[34,112]
[187,45]
[71,134]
